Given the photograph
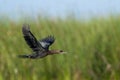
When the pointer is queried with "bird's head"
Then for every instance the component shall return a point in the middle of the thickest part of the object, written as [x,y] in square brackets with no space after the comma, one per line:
[56,52]
[61,51]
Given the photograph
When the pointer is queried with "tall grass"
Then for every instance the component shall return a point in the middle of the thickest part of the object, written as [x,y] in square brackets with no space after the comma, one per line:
[93,50]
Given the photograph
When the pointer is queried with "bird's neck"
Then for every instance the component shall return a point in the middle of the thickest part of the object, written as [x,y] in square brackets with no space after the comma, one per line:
[51,52]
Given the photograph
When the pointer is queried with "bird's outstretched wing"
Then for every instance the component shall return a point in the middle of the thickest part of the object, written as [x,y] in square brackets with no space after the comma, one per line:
[30,39]
[47,41]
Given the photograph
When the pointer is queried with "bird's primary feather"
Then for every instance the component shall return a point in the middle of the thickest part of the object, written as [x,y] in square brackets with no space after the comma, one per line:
[30,39]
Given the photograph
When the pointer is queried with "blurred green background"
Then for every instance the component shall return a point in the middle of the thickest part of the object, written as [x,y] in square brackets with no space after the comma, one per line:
[93,49]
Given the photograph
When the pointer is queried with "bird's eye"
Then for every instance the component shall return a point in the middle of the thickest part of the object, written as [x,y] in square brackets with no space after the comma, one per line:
[61,50]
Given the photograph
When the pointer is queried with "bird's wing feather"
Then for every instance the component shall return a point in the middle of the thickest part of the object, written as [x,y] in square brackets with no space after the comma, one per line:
[30,39]
[47,41]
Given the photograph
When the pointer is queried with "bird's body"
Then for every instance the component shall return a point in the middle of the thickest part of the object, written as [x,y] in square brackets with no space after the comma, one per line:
[40,48]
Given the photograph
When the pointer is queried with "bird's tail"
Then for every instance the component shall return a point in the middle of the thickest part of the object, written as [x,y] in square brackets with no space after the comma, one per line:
[27,56]
[23,56]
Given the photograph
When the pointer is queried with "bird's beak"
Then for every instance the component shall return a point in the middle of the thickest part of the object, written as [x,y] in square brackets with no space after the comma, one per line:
[63,52]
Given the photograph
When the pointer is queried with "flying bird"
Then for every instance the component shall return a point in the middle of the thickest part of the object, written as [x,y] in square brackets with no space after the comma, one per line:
[40,48]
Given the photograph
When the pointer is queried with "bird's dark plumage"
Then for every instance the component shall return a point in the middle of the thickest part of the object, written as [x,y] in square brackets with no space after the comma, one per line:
[46,42]
[40,48]
[30,39]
